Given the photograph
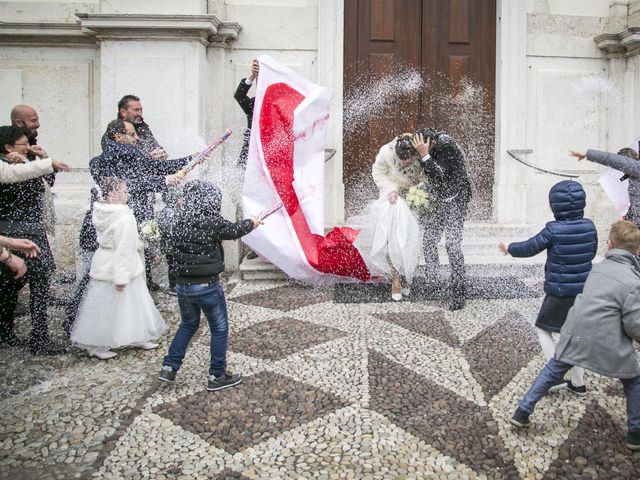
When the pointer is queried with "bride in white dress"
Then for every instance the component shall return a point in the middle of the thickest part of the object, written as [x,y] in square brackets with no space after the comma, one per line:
[117,309]
[390,238]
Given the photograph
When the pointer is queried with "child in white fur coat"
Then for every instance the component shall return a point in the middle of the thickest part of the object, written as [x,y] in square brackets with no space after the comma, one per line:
[117,310]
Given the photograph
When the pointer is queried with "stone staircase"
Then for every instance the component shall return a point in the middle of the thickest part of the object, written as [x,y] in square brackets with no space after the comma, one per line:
[480,247]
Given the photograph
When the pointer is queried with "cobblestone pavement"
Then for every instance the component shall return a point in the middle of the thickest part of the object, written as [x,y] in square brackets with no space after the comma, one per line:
[331,390]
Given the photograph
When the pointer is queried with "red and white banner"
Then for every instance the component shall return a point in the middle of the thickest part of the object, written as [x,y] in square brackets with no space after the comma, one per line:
[286,164]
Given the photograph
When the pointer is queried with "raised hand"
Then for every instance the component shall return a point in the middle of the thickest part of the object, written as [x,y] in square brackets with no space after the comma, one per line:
[503,248]
[15,157]
[26,247]
[422,147]
[59,166]
[255,69]
[38,151]
[256,222]
[16,265]
[578,155]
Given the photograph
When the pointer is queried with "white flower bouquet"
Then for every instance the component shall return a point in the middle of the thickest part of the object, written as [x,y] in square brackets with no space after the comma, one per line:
[417,198]
[149,231]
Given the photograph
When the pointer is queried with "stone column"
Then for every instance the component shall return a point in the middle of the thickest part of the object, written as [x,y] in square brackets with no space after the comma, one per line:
[330,73]
[509,194]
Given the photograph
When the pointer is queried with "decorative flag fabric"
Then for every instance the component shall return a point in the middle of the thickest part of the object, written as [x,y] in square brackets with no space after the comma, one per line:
[286,164]
[617,191]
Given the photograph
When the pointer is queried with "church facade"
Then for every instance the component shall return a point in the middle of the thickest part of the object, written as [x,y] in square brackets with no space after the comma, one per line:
[558,75]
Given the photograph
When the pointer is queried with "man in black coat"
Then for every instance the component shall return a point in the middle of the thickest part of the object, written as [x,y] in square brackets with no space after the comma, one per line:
[130,110]
[443,164]
[246,103]
[145,176]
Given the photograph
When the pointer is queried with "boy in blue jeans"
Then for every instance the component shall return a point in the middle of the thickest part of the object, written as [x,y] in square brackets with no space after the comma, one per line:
[600,328]
[194,240]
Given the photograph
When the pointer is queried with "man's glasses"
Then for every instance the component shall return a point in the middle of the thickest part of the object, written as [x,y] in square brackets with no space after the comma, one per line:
[20,144]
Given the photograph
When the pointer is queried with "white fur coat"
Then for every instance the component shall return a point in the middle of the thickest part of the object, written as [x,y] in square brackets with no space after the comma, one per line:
[117,260]
[389,175]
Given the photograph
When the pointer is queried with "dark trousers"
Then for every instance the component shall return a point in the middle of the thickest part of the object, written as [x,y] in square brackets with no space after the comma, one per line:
[39,272]
[447,218]
[171,275]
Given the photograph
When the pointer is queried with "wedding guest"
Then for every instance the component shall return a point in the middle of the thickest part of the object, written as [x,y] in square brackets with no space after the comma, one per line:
[571,242]
[196,243]
[117,310]
[627,165]
[246,103]
[600,330]
[22,213]
[122,158]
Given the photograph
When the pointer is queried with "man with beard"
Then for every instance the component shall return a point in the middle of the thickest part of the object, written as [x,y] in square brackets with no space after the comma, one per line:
[444,166]
[130,110]
[123,158]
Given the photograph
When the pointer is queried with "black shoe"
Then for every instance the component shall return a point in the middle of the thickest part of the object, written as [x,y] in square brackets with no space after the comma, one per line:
[520,418]
[562,384]
[457,303]
[153,286]
[167,374]
[225,380]
[47,347]
[633,440]
[580,391]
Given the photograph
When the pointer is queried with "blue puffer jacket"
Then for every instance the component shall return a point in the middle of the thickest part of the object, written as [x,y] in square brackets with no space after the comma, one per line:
[571,242]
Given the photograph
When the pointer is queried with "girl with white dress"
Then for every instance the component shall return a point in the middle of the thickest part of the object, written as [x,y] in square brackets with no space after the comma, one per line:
[117,309]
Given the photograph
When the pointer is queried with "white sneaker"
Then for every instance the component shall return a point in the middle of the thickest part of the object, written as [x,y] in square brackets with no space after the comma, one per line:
[146,345]
[396,297]
[102,354]
[406,291]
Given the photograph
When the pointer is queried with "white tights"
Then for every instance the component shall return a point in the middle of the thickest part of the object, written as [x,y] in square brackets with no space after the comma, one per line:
[549,348]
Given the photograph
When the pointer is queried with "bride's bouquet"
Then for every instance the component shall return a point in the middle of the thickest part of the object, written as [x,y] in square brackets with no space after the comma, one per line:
[149,231]
[417,198]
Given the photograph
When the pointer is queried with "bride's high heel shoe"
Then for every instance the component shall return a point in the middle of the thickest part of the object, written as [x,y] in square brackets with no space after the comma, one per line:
[396,288]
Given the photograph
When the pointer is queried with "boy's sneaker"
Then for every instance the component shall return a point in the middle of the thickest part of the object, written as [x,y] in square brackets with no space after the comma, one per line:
[580,391]
[167,374]
[520,418]
[559,386]
[633,440]
[226,380]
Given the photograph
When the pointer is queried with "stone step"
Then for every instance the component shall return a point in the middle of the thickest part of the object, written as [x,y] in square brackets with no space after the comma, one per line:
[480,247]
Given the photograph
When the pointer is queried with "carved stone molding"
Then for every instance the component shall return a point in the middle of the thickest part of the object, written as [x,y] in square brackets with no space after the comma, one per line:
[205,29]
[92,28]
[623,44]
[43,34]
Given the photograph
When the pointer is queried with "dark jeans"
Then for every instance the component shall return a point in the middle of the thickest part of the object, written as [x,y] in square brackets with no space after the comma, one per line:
[553,373]
[447,218]
[192,299]
[39,272]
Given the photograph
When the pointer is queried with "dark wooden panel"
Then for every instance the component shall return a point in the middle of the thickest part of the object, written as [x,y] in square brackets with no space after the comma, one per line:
[458,68]
[448,41]
[383,19]
[458,21]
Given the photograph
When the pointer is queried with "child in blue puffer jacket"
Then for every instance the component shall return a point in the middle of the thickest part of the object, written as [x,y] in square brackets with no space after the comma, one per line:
[571,242]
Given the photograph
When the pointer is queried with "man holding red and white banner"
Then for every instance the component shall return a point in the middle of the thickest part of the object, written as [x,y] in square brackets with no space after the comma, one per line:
[286,165]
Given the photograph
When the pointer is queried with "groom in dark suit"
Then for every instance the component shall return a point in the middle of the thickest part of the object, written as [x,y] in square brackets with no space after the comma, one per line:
[443,164]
